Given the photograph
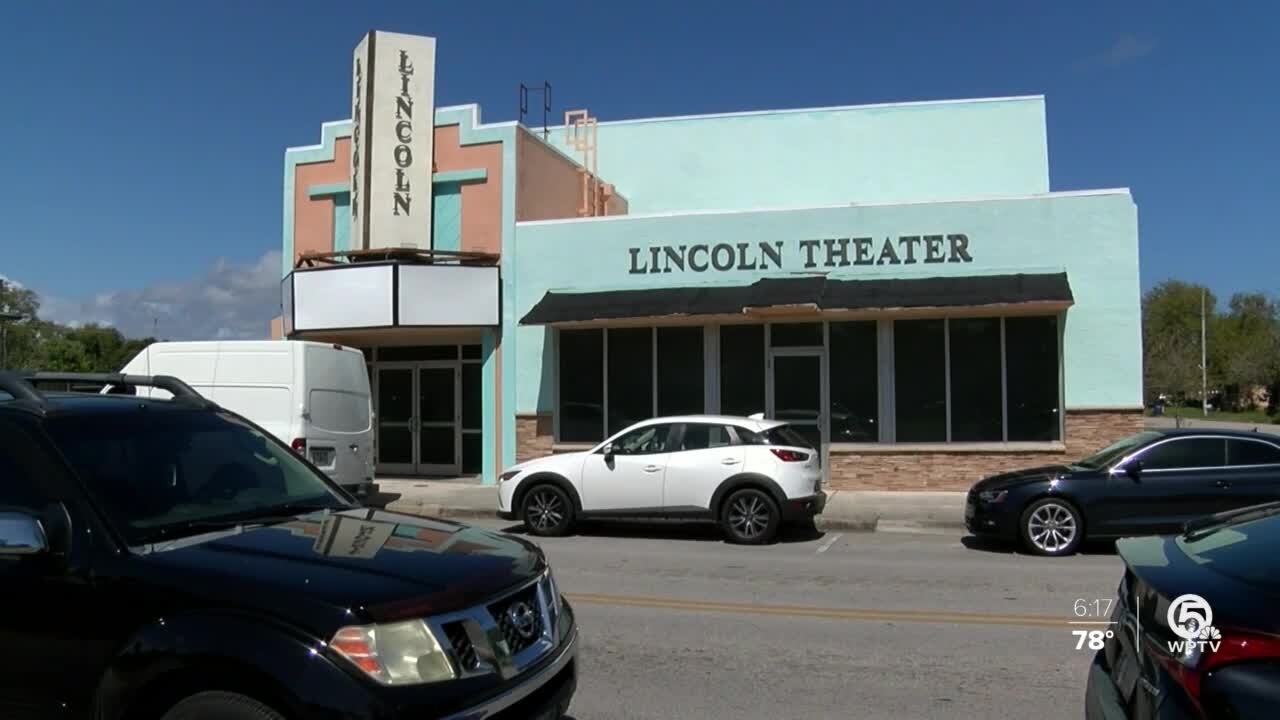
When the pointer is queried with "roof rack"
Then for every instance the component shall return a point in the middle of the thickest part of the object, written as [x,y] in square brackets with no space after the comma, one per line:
[22,385]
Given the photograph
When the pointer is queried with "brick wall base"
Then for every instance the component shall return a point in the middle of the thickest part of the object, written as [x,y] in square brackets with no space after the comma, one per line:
[535,435]
[1086,431]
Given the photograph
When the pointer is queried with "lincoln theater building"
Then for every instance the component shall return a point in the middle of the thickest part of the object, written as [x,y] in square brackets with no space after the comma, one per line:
[898,281]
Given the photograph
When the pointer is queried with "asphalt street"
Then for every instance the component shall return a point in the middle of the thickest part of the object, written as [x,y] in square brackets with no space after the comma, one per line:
[678,624]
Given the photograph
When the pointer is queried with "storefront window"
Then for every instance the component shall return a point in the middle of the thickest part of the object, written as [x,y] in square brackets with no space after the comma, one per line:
[795,334]
[940,369]
[581,385]
[680,371]
[975,380]
[1031,360]
[920,381]
[630,373]
[741,369]
[855,382]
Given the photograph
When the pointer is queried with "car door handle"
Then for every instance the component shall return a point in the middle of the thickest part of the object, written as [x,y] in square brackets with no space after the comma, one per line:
[729,461]
[652,468]
[1222,484]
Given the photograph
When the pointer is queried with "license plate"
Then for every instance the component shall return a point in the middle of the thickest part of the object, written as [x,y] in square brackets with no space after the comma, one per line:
[322,457]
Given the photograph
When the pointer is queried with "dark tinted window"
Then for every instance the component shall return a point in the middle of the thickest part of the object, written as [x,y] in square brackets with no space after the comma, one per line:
[408,353]
[701,436]
[1031,367]
[1252,452]
[581,385]
[20,465]
[630,377]
[975,380]
[1186,453]
[855,382]
[741,369]
[920,387]
[472,392]
[647,440]
[783,435]
[155,474]
[795,335]
[680,371]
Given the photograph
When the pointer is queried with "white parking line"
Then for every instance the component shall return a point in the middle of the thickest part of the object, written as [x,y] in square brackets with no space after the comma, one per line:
[827,545]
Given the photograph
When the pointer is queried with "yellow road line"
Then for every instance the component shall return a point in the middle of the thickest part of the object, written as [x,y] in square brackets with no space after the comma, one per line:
[907,616]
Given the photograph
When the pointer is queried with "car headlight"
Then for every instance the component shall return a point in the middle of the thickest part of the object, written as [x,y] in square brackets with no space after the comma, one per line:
[993,496]
[553,590]
[508,475]
[403,653]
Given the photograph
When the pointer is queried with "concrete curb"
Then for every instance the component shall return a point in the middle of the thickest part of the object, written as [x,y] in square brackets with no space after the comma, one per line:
[864,521]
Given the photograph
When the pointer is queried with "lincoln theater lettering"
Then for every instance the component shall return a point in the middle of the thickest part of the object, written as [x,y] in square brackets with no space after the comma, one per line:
[404,136]
[825,253]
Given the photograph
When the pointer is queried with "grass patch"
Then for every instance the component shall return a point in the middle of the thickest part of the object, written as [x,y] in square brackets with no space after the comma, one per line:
[1257,417]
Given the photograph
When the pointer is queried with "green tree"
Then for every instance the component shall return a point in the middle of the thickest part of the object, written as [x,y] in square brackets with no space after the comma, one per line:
[1171,338]
[1246,343]
[19,338]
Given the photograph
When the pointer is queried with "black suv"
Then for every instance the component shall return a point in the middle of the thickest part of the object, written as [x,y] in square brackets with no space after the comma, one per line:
[170,560]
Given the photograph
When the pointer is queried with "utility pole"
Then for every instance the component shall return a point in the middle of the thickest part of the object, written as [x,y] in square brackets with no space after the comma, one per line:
[1204,356]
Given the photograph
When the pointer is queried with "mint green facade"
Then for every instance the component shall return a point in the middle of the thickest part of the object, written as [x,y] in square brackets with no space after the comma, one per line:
[803,158]
[973,168]
[1090,236]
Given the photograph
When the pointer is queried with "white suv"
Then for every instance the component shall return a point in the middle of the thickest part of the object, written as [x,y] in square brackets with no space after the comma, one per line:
[749,475]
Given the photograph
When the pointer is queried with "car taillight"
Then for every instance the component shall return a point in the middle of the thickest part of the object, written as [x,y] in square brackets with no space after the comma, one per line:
[1190,668]
[299,445]
[790,455]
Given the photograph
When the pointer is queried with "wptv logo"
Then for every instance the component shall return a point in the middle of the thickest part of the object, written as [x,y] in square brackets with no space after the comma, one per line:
[1191,619]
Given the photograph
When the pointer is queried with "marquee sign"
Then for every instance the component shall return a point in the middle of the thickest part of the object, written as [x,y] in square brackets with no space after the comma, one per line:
[826,253]
[392,133]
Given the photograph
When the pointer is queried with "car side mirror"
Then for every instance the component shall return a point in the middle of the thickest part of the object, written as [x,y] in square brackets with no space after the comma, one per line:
[607,450]
[1133,469]
[21,534]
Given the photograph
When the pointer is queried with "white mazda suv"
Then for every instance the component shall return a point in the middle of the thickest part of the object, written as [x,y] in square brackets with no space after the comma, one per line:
[750,475]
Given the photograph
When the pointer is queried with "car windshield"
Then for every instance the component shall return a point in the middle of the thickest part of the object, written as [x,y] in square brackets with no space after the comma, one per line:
[1117,450]
[161,475]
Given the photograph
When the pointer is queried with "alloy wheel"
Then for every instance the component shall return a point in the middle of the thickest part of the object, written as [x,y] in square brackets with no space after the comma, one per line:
[1051,528]
[748,516]
[545,510]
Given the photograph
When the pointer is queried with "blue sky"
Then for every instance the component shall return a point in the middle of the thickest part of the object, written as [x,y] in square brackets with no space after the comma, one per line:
[145,139]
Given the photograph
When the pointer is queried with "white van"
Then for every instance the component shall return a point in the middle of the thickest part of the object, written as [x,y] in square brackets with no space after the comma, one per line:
[312,396]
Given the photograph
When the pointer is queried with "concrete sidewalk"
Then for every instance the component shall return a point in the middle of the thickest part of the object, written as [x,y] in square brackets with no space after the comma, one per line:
[852,510]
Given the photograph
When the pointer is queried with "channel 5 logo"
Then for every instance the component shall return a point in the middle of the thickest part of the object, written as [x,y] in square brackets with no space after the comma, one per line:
[1191,618]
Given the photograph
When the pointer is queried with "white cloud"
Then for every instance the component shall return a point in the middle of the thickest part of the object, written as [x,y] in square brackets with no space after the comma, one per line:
[229,301]
[1126,48]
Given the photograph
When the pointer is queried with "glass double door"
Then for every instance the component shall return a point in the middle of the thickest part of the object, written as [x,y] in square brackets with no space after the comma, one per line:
[420,418]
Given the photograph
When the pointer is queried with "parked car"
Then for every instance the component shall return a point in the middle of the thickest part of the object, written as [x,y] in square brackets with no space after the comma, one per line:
[750,475]
[1194,629]
[1148,483]
[313,396]
[170,559]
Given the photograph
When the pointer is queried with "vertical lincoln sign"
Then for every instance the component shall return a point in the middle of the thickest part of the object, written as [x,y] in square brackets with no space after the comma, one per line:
[393,123]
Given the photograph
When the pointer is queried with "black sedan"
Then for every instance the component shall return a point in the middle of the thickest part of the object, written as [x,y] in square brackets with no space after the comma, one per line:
[1194,632]
[1148,483]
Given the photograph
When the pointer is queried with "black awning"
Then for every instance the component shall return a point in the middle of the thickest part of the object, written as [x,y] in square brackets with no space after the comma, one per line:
[819,292]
